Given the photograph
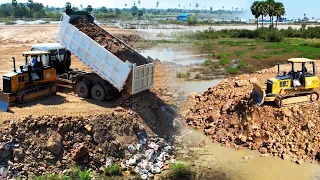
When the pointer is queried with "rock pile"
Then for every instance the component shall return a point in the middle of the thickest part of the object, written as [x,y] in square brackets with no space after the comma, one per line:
[49,144]
[225,113]
[149,157]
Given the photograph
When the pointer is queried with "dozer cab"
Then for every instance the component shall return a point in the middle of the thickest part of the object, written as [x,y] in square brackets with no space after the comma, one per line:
[297,86]
[29,82]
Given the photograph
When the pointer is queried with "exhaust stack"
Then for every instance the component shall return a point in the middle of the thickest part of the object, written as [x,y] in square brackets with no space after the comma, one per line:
[14,64]
[278,69]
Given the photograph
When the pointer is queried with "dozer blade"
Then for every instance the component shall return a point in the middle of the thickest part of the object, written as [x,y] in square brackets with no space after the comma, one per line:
[258,94]
[4,102]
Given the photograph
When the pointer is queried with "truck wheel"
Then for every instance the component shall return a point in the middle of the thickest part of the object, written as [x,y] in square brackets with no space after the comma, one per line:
[83,88]
[98,92]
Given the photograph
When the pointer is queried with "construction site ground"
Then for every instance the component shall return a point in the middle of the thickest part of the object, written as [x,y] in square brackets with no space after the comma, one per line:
[215,113]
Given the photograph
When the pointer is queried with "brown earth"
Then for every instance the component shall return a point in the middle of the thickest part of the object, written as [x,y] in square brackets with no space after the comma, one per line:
[225,113]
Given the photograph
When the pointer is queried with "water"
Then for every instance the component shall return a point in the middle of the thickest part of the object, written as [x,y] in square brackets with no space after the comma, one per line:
[232,163]
[181,57]
[197,86]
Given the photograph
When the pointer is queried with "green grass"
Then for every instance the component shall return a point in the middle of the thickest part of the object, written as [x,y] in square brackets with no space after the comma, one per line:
[239,53]
[260,56]
[208,62]
[232,70]
[252,48]
[223,55]
[113,170]
[233,43]
[224,62]
[180,171]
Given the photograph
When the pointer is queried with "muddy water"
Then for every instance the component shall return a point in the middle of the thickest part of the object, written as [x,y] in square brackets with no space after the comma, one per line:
[197,86]
[233,165]
[174,53]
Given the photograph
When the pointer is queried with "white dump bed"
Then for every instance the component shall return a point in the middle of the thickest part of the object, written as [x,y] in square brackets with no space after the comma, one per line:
[104,63]
[97,58]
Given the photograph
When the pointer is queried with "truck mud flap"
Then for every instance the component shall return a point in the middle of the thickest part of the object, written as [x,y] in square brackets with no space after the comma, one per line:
[4,102]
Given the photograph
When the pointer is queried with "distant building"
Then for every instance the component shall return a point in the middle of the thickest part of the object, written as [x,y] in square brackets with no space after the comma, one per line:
[183,17]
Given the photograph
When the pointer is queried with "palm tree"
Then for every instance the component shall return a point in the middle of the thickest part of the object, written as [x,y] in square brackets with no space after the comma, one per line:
[279,11]
[139,2]
[157,4]
[197,5]
[125,5]
[263,9]
[179,5]
[271,7]
[211,9]
[255,10]
[190,4]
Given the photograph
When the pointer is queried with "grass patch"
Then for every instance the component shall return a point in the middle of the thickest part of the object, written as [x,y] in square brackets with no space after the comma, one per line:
[260,56]
[223,55]
[245,67]
[232,70]
[183,75]
[180,171]
[113,170]
[224,62]
[233,43]
[252,48]
[239,53]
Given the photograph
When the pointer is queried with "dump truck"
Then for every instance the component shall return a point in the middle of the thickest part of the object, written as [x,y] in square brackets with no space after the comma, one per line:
[110,74]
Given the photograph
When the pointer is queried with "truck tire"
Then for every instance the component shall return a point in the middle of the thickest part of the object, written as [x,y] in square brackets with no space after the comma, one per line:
[83,88]
[98,92]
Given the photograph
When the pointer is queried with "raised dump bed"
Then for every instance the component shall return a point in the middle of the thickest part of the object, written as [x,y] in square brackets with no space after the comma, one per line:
[107,56]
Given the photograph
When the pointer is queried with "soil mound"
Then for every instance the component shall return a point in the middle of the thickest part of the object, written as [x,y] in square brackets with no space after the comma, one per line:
[226,114]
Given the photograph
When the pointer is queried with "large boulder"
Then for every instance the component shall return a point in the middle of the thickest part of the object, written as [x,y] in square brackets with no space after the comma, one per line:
[54,143]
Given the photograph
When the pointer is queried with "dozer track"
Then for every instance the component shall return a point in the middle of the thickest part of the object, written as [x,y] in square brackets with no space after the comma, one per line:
[294,98]
[36,92]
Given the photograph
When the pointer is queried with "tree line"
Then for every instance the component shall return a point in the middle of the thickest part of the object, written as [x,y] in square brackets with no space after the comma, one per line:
[268,8]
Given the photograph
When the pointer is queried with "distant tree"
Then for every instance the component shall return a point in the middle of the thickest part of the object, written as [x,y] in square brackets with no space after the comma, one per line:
[89,8]
[232,8]
[279,11]
[179,5]
[117,12]
[125,5]
[197,5]
[139,2]
[110,10]
[68,5]
[81,6]
[140,13]
[190,4]
[256,11]
[30,6]
[14,3]
[74,8]
[134,10]
[271,8]
[37,7]
[157,4]
[263,9]
[211,9]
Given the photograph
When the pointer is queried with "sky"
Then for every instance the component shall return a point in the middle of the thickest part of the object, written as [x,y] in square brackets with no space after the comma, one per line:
[294,8]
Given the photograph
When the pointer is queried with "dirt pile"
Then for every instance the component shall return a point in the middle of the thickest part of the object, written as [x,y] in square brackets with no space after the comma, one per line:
[50,144]
[105,40]
[226,114]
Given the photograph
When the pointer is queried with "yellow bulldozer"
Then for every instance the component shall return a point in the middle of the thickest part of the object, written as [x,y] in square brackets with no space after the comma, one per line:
[290,88]
[31,81]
